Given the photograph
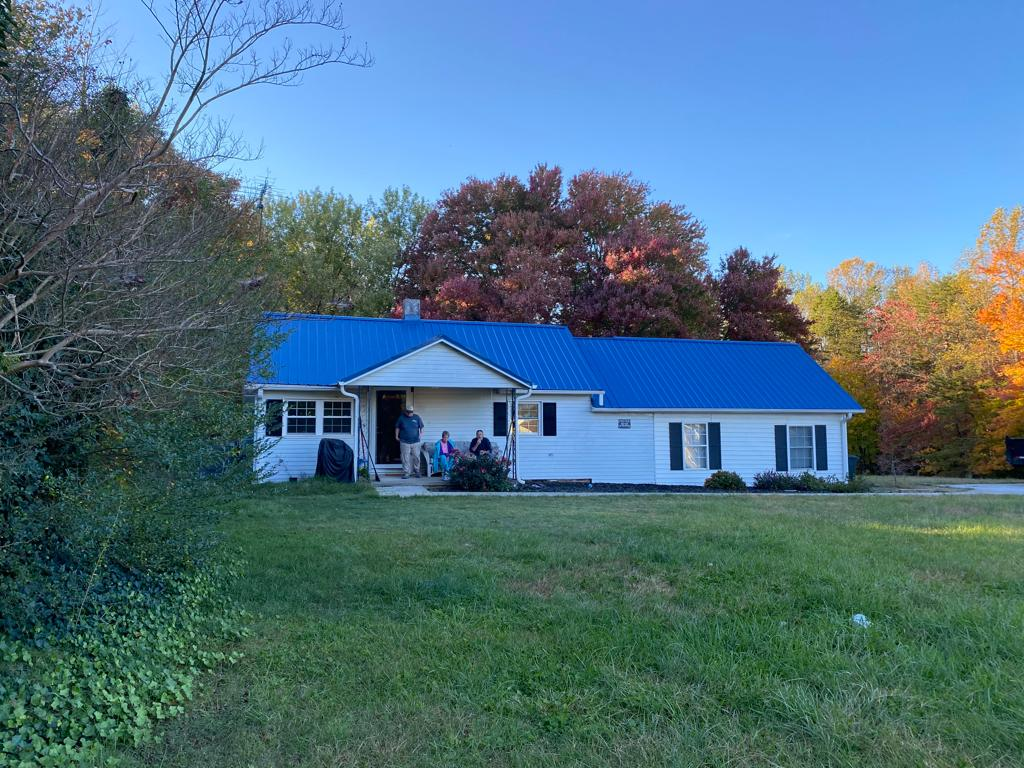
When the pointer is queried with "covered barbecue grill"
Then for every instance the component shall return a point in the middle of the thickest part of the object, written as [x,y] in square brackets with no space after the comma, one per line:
[334,459]
[1015,451]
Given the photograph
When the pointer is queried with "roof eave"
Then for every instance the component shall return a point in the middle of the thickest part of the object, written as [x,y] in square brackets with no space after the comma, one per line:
[712,409]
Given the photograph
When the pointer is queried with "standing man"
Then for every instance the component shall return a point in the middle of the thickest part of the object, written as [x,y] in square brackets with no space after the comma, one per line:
[409,432]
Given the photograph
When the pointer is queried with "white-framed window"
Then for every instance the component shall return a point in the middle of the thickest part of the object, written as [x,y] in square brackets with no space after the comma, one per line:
[300,417]
[528,418]
[337,417]
[695,446]
[801,448]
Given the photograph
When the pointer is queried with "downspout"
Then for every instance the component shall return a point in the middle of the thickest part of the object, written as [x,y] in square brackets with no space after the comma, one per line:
[357,432]
[845,458]
[260,430]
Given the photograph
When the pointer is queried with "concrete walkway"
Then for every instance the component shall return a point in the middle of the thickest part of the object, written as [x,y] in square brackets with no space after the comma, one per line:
[967,489]
[990,489]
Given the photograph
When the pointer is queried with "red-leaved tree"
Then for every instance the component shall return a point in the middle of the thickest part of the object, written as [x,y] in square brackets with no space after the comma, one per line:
[756,305]
[600,257]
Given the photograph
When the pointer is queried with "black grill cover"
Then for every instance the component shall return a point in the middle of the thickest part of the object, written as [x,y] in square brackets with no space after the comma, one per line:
[334,459]
[1015,451]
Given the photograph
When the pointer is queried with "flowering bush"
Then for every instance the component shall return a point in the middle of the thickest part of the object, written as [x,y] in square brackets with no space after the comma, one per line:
[482,473]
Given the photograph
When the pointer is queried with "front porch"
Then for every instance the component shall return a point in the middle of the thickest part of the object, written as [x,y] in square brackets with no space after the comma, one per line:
[458,411]
[451,389]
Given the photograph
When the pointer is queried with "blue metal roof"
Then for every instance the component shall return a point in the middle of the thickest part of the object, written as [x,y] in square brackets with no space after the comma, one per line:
[635,373]
[712,375]
[321,350]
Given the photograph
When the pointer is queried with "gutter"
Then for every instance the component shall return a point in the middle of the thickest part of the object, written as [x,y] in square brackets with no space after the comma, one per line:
[358,429]
[846,445]
[600,409]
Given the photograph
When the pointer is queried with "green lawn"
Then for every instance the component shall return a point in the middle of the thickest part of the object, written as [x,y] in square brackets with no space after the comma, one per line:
[633,631]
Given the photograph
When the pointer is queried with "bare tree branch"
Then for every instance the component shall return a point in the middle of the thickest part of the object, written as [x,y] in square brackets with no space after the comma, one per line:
[125,270]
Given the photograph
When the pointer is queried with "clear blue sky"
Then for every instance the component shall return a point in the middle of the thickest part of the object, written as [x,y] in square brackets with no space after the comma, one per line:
[815,130]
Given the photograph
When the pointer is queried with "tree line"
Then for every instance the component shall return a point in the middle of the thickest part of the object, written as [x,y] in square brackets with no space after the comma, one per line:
[933,357]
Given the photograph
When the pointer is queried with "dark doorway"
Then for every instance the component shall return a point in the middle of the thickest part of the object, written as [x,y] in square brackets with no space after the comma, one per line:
[389,408]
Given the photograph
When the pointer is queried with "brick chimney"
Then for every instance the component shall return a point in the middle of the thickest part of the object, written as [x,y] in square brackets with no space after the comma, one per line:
[411,309]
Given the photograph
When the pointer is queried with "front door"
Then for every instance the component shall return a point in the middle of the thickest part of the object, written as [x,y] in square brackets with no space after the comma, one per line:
[389,408]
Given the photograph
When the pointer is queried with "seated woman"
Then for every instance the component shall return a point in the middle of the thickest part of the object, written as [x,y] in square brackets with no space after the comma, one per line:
[444,456]
[480,445]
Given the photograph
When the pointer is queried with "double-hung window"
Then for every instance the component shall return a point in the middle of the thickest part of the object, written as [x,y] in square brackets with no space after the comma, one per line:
[529,418]
[337,417]
[300,417]
[695,446]
[801,448]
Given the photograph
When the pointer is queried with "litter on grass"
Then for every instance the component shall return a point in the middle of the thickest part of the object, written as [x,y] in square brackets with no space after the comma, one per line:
[861,620]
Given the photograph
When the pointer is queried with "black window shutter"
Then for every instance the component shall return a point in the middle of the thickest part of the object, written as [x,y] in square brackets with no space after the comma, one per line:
[820,447]
[781,449]
[714,445]
[500,420]
[550,426]
[274,417]
[675,445]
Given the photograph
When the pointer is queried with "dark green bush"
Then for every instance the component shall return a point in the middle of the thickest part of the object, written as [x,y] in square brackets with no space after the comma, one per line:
[138,499]
[483,473]
[723,480]
[807,482]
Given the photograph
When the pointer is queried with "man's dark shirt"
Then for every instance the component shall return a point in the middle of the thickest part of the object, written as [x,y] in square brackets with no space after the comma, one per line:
[409,428]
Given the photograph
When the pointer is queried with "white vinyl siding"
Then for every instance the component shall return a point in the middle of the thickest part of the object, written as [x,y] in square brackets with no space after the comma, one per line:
[606,447]
[748,443]
[695,446]
[294,455]
[617,453]
[437,366]
[801,448]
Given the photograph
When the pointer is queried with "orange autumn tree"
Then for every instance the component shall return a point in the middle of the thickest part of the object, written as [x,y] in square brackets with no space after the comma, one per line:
[998,259]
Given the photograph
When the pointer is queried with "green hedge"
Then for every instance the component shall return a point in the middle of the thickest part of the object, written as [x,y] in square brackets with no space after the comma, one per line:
[807,482]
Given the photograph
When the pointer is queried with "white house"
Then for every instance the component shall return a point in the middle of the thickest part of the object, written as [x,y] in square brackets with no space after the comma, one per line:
[610,410]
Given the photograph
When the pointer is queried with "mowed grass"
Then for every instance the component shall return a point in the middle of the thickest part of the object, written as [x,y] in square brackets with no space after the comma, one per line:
[625,631]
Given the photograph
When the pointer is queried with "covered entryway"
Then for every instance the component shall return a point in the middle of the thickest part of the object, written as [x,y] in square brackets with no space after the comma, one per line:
[450,388]
[389,404]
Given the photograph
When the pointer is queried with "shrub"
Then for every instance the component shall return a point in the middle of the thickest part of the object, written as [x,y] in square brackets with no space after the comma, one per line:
[775,481]
[723,480]
[482,473]
[807,482]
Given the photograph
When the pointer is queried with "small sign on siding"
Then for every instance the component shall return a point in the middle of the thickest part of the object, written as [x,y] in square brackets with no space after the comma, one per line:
[625,424]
